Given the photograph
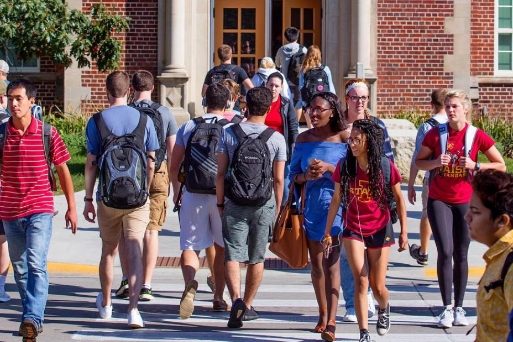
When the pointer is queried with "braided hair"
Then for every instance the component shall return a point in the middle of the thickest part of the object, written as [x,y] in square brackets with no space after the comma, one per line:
[337,122]
[375,140]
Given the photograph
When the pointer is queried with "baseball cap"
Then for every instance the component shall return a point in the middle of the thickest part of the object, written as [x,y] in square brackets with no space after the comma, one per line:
[3,87]
[4,67]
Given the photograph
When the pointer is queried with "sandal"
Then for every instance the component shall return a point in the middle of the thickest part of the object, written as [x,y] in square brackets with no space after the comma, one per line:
[319,328]
[329,333]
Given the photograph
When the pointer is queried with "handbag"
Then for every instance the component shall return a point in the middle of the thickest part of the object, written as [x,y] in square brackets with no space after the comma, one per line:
[289,237]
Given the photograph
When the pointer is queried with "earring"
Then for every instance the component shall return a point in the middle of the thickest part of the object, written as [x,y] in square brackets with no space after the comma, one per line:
[331,115]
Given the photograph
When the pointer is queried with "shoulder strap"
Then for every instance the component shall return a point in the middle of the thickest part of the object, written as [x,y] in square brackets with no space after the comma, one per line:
[198,120]
[504,272]
[470,136]
[3,137]
[47,139]
[100,124]
[443,133]
[385,168]
[432,122]
[239,133]
[223,122]
[141,127]
[266,134]
[155,105]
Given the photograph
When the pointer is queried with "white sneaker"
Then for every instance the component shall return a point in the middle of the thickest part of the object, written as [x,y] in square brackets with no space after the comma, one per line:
[105,311]
[135,320]
[370,304]
[446,318]
[4,297]
[350,316]
[459,317]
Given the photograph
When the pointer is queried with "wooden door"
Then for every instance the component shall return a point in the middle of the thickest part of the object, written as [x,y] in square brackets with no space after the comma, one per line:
[305,15]
[241,25]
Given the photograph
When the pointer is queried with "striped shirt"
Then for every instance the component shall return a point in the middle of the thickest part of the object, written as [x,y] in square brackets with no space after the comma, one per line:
[24,178]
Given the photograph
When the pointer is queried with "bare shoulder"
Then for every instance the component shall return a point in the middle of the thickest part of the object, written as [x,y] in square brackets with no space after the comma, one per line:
[303,137]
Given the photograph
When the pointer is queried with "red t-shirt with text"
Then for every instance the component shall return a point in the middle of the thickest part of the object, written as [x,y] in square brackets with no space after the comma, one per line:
[364,216]
[449,183]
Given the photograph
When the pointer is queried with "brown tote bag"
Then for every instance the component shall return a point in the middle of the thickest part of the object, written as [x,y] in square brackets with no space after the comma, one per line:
[289,238]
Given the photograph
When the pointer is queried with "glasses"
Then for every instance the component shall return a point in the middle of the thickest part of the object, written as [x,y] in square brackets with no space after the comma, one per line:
[358,98]
[356,141]
[317,111]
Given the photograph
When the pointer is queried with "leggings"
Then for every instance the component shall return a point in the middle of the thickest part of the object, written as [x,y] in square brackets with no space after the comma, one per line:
[452,240]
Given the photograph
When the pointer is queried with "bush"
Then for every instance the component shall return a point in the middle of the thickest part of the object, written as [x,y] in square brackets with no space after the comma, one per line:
[71,127]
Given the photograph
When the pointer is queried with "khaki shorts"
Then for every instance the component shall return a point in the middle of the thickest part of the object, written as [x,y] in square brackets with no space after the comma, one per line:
[132,222]
[425,195]
[159,193]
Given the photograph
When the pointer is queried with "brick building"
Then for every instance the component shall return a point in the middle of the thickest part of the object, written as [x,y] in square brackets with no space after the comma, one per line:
[407,48]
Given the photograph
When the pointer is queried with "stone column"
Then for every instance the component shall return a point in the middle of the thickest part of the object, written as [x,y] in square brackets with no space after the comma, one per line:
[174,77]
[363,34]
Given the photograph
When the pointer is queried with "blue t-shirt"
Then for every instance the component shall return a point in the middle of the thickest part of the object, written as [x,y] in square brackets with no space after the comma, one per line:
[120,120]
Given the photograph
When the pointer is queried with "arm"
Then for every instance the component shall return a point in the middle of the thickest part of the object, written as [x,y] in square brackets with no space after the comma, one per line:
[248,84]
[67,188]
[278,172]
[496,162]
[90,178]
[204,90]
[332,213]
[150,167]
[423,161]
[222,168]
[170,144]
[174,167]
[330,80]
[421,133]
[292,124]
[401,211]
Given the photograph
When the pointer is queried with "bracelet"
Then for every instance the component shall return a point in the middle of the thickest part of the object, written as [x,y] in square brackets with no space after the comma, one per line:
[220,205]
[88,199]
[326,238]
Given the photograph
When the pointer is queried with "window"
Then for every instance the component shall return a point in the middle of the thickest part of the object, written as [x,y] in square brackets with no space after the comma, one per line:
[504,38]
[8,54]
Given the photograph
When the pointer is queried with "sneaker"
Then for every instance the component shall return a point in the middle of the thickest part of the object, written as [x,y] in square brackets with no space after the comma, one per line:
[146,294]
[29,330]
[135,320]
[383,324]
[250,314]
[459,317]
[122,292]
[350,316]
[187,301]
[422,259]
[210,283]
[446,318]
[236,314]
[105,311]
[371,307]
[220,306]
[365,336]
[4,297]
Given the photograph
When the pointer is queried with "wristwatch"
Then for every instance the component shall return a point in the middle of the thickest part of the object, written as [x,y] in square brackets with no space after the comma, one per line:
[87,199]
[477,167]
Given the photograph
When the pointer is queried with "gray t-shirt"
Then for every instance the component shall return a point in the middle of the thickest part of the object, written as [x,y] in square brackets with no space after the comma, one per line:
[182,137]
[276,143]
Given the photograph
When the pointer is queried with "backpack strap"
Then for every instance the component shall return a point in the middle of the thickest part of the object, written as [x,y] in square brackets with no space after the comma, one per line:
[385,168]
[432,122]
[504,272]
[239,133]
[470,136]
[3,138]
[100,124]
[266,134]
[443,135]
[140,130]
[237,119]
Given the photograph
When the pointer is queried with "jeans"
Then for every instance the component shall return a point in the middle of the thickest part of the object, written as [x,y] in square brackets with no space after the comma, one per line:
[347,281]
[28,240]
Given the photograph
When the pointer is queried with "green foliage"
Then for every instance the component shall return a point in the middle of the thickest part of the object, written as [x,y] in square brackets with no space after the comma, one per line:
[49,27]
[71,127]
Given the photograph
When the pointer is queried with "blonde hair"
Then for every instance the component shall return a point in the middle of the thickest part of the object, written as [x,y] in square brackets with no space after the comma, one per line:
[267,63]
[312,59]
[464,99]
[233,87]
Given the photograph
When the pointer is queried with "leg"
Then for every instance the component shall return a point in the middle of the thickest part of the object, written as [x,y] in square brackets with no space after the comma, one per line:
[461,245]
[378,261]
[331,270]
[4,264]
[189,262]
[356,257]
[425,227]
[135,275]
[17,245]
[122,291]
[232,275]
[210,254]
[218,274]
[346,279]
[254,275]
[150,254]
[316,251]
[106,269]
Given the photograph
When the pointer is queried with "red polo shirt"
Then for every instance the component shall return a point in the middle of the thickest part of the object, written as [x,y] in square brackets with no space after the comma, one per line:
[24,178]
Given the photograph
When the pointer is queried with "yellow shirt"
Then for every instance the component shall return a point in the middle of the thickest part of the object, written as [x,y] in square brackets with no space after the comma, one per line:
[494,306]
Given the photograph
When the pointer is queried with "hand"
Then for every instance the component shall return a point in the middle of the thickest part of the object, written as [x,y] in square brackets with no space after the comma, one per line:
[221,211]
[71,218]
[327,242]
[317,168]
[467,163]
[412,194]
[403,241]
[89,212]
[444,159]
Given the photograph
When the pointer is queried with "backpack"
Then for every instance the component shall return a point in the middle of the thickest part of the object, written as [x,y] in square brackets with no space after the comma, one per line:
[123,183]
[470,135]
[250,176]
[316,81]
[47,138]
[432,122]
[263,78]
[200,162]
[156,117]
[392,205]
[295,62]
[504,272]
[219,73]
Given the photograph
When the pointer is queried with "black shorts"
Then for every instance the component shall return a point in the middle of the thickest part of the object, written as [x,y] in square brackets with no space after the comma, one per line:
[2,231]
[382,238]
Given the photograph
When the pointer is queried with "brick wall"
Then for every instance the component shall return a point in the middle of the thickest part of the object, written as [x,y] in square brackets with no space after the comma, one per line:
[411,45]
[140,46]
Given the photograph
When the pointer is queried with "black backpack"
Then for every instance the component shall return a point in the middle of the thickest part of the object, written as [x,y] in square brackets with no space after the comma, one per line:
[316,81]
[432,122]
[392,205]
[249,180]
[122,162]
[200,162]
[295,62]
[152,112]
[220,73]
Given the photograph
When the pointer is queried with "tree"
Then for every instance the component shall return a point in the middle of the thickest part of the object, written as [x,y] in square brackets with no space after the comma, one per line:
[49,28]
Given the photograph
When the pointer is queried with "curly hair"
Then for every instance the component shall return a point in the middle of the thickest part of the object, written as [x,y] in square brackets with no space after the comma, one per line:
[337,122]
[375,140]
[495,189]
